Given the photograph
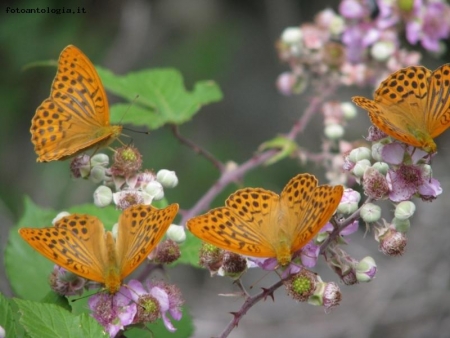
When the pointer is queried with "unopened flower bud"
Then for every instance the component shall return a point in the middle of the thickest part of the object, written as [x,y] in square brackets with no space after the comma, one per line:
[100,160]
[376,151]
[176,233]
[59,216]
[404,210]
[292,35]
[360,168]
[366,270]
[382,50]
[167,178]
[402,226]
[349,202]
[155,189]
[382,167]
[358,154]
[97,174]
[334,131]
[370,212]
[103,196]
[349,110]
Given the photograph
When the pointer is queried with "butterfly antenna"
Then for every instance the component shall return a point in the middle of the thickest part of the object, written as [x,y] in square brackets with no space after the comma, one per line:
[260,279]
[126,112]
[85,296]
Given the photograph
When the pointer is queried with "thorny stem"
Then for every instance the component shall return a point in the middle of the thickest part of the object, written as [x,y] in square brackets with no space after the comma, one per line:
[249,302]
[341,226]
[233,175]
[228,176]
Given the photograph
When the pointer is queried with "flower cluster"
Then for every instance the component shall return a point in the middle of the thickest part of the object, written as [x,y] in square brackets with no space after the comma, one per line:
[137,305]
[362,43]
[132,185]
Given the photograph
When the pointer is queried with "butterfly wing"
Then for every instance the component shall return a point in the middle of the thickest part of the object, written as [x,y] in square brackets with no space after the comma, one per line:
[76,243]
[76,115]
[307,207]
[241,226]
[141,228]
[400,104]
[438,101]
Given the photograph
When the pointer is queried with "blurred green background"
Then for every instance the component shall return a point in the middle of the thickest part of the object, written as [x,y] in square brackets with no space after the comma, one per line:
[232,43]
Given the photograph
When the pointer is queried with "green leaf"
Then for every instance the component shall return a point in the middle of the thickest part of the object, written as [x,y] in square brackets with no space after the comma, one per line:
[26,269]
[48,320]
[184,327]
[7,320]
[285,146]
[158,95]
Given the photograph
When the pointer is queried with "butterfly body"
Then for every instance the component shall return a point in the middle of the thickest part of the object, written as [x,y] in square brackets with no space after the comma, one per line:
[412,105]
[260,223]
[80,244]
[75,117]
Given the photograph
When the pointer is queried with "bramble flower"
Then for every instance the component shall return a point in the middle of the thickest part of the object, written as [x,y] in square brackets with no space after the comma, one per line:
[80,166]
[155,301]
[211,257]
[113,312]
[127,161]
[301,286]
[375,184]
[327,295]
[391,241]
[66,283]
[165,252]
[233,265]
[126,198]
[426,24]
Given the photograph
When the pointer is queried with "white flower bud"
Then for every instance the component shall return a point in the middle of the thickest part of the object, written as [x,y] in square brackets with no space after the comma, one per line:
[167,178]
[404,210]
[370,212]
[376,151]
[358,154]
[155,189]
[349,110]
[360,168]
[176,233]
[334,131]
[382,50]
[97,174]
[59,216]
[292,35]
[382,167]
[103,196]
[402,226]
[100,160]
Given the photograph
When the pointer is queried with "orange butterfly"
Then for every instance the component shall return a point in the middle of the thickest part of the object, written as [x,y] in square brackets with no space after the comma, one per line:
[80,244]
[75,117]
[259,223]
[412,105]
